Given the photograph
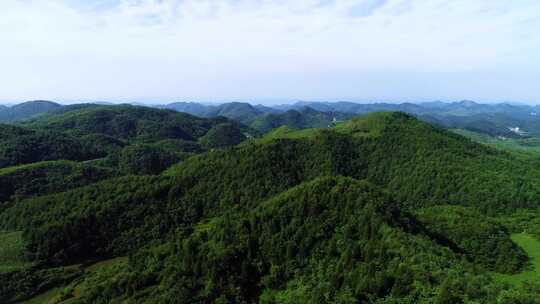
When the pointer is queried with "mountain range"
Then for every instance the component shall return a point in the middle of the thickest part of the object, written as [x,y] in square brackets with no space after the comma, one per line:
[121,203]
[503,120]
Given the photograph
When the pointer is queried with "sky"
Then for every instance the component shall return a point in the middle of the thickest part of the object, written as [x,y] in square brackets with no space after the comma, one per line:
[270,50]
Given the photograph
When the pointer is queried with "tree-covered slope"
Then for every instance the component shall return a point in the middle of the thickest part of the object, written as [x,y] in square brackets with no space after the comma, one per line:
[41,178]
[223,135]
[22,146]
[92,222]
[423,163]
[92,132]
[420,163]
[288,219]
[423,166]
[128,122]
[150,158]
[482,239]
[327,240]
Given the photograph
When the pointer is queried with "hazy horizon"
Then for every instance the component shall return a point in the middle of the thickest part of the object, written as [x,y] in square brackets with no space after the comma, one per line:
[254,102]
[157,51]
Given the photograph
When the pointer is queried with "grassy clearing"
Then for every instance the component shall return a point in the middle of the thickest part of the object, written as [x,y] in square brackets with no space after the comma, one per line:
[284,132]
[42,164]
[531,245]
[45,298]
[524,146]
[11,252]
[73,291]
[106,264]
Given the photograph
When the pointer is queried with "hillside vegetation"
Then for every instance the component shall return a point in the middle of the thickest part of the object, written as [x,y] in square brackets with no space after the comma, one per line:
[41,178]
[379,209]
[22,146]
[98,131]
[127,122]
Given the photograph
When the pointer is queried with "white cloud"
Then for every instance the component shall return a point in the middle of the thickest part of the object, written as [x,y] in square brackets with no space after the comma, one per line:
[269,48]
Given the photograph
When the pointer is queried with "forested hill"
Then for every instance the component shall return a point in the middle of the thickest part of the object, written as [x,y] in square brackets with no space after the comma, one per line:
[240,111]
[128,122]
[96,132]
[422,164]
[26,110]
[299,119]
[263,118]
[381,209]
[111,140]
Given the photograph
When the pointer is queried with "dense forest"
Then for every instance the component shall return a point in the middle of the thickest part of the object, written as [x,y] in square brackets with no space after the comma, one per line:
[128,204]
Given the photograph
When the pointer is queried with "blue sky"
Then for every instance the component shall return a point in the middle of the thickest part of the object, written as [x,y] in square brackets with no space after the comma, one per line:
[270,50]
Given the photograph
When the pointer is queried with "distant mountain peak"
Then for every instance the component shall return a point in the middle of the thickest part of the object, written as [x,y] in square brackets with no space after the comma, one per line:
[27,110]
[39,102]
[307,109]
[468,103]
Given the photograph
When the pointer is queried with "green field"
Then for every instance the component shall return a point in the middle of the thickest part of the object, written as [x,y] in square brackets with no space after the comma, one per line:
[72,292]
[531,245]
[46,297]
[524,146]
[11,252]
